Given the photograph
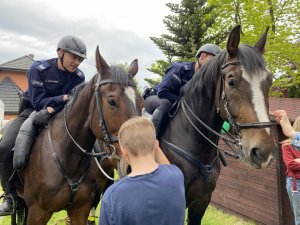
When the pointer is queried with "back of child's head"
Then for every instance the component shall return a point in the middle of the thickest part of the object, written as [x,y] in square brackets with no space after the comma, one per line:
[138,136]
[296,124]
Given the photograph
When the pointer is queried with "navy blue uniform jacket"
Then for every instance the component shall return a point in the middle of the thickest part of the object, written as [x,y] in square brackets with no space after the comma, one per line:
[47,84]
[175,78]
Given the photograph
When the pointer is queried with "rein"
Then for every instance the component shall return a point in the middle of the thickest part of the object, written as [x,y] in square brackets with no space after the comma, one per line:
[108,138]
[236,142]
[204,168]
[73,185]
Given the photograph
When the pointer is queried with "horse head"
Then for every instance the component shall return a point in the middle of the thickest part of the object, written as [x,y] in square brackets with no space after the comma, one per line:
[243,98]
[117,100]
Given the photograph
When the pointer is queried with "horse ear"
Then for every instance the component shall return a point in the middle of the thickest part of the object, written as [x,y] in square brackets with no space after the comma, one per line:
[233,41]
[260,45]
[133,68]
[101,65]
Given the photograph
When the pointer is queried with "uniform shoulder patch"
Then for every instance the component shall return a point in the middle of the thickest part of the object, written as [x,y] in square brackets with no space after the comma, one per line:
[79,73]
[177,78]
[43,66]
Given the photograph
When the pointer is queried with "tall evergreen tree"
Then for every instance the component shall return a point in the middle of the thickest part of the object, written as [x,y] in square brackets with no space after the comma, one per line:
[189,28]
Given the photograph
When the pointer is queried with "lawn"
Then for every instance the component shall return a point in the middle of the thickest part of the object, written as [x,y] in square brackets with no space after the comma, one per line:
[212,216]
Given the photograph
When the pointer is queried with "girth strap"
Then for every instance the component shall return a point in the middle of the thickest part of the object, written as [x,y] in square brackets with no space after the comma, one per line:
[204,168]
[73,185]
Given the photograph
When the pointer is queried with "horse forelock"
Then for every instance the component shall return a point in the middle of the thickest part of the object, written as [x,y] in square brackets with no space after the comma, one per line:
[119,75]
[251,60]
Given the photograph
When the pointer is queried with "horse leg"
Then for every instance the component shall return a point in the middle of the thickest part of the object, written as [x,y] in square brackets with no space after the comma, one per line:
[197,209]
[79,215]
[37,215]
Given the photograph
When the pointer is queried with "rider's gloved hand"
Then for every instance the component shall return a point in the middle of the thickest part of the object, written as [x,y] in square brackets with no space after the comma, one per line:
[42,117]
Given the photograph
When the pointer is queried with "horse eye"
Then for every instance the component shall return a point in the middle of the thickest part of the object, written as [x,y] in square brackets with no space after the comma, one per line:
[111,102]
[232,83]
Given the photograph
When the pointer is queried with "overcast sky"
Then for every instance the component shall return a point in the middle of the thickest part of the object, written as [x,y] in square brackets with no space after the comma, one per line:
[121,28]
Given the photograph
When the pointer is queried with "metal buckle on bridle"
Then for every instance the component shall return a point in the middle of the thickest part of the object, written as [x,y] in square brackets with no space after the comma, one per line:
[74,187]
[113,152]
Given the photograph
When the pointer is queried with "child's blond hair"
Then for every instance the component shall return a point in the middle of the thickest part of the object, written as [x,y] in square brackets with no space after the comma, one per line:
[296,124]
[138,136]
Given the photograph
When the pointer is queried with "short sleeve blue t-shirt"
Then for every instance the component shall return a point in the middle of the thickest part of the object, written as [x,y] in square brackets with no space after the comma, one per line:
[151,199]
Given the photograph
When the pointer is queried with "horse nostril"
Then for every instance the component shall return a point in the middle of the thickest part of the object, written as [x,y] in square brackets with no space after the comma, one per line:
[255,155]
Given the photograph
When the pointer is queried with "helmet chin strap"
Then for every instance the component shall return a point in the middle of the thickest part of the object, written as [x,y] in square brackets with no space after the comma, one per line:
[61,59]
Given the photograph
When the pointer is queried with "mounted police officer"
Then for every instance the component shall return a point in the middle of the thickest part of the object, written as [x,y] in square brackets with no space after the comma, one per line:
[49,84]
[159,99]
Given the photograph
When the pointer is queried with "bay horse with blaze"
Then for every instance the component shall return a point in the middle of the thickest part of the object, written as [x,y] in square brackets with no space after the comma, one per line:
[61,172]
[232,87]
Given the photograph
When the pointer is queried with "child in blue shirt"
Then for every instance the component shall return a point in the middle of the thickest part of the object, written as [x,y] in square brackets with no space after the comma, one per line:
[152,193]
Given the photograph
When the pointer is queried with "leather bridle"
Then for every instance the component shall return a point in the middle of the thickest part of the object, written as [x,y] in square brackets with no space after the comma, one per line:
[107,137]
[234,141]
[234,124]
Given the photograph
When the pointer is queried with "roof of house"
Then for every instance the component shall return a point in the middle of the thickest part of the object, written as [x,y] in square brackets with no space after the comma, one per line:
[291,105]
[9,94]
[22,63]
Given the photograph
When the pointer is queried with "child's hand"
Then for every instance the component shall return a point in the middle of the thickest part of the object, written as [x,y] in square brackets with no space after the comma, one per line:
[286,142]
[297,160]
[282,118]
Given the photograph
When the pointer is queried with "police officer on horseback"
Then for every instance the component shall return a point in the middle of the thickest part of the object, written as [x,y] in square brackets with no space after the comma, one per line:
[160,98]
[49,84]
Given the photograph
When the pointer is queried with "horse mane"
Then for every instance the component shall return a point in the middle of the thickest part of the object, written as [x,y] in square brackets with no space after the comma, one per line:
[118,75]
[203,84]
[75,91]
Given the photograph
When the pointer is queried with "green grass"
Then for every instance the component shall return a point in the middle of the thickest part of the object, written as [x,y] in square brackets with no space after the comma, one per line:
[212,216]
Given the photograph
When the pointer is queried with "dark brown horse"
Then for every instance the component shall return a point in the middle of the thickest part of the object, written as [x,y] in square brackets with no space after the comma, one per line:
[61,172]
[233,87]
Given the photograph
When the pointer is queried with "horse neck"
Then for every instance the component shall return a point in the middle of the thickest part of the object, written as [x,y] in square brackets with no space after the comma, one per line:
[200,95]
[75,118]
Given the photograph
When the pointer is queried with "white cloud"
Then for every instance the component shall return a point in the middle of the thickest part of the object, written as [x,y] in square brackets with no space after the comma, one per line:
[120,28]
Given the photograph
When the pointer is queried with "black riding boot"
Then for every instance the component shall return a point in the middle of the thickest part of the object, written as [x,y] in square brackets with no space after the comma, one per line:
[7,207]
[24,142]
[160,118]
